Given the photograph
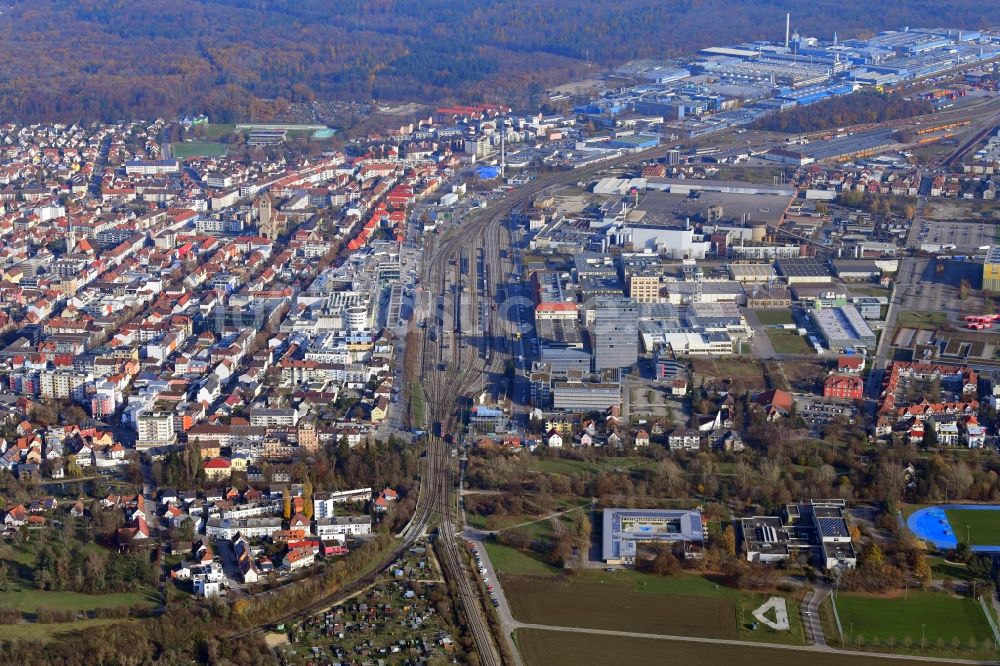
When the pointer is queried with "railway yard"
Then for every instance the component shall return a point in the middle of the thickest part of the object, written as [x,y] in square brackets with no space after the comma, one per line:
[470,324]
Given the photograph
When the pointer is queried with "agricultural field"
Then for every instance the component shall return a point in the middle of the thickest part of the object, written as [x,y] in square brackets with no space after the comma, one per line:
[186,149]
[983,526]
[554,648]
[944,620]
[591,604]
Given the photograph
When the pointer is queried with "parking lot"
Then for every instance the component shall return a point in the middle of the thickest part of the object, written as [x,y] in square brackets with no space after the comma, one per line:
[939,290]
[964,236]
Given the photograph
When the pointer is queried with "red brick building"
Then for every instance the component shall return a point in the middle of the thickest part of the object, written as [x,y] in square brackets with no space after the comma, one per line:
[844,387]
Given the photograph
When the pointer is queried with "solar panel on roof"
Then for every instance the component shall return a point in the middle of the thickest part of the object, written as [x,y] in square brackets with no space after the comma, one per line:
[833,526]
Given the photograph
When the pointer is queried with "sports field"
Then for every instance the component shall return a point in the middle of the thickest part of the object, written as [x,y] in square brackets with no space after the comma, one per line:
[983,526]
[185,149]
[946,526]
[553,648]
[595,605]
[935,615]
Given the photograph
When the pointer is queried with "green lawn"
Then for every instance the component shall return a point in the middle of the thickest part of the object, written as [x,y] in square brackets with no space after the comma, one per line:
[948,570]
[506,522]
[417,419]
[749,602]
[774,317]
[909,509]
[513,562]
[869,290]
[788,342]
[185,149]
[570,466]
[936,614]
[218,130]
[44,633]
[918,319]
[983,525]
[28,600]
[23,554]
[564,466]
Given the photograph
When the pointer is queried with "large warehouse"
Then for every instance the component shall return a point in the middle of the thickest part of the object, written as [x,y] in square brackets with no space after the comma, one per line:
[625,529]
[843,327]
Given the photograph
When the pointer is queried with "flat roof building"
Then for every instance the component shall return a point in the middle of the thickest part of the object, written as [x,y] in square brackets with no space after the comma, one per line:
[815,530]
[625,529]
[857,269]
[585,396]
[843,327]
[751,272]
[616,333]
[804,269]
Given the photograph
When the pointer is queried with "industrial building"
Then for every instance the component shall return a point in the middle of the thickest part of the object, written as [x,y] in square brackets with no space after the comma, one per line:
[857,270]
[751,272]
[697,344]
[572,396]
[991,271]
[625,529]
[843,327]
[801,270]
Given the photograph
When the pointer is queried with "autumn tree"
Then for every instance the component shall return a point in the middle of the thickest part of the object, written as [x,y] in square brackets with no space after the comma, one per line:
[307,497]
[729,540]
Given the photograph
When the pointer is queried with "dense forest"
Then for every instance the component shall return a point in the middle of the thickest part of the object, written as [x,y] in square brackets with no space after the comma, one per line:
[859,108]
[235,59]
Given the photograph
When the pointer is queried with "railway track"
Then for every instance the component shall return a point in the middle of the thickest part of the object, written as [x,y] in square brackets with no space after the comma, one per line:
[443,389]
[446,383]
[954,158]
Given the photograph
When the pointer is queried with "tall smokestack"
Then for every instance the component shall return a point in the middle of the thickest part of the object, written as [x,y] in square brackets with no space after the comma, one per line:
[788,28]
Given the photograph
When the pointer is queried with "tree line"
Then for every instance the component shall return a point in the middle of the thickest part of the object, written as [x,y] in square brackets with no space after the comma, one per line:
[69,60]
[860,108]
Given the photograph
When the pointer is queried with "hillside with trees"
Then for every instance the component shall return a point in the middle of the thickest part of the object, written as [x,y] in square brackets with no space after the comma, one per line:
[860,108]
[243,59]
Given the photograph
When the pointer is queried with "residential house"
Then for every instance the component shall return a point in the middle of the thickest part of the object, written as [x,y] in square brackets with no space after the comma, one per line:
[684,438]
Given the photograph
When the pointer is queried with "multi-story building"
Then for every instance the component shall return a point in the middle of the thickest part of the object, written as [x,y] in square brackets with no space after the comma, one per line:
[844,387]
[340,528]
[155,429]
[64,385]
[616,333]
[644,288]
[991,271]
